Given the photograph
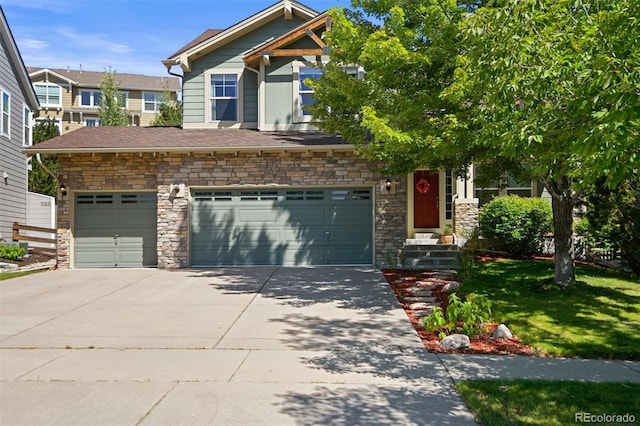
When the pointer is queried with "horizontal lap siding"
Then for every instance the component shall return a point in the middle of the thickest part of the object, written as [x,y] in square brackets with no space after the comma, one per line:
[13,191]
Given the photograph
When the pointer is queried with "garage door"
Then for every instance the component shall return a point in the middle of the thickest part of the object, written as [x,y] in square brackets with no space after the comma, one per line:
[115,230]
[282,227]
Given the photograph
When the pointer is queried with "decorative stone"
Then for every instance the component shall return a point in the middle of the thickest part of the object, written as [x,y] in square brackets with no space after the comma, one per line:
[423,313]
[419,306]
[419,299]
[502,332]
[455,341]
[451,287]
[419,291]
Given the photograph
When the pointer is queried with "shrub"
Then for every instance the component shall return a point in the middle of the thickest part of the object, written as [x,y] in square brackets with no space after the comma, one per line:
[467,317]
[516,225]
[11,252]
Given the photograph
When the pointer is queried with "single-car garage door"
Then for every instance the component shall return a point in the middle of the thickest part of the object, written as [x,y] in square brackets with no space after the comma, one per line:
[115,230]
[327,226]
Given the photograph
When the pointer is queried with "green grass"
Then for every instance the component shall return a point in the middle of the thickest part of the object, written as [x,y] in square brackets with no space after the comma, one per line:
[597,317]
[533,402]
[9,275]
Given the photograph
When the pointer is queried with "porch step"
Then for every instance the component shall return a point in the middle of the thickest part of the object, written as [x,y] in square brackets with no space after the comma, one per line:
[424,238]
[426,252]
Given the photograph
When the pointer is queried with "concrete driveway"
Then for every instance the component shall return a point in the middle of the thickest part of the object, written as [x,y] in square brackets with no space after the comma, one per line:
[247,346]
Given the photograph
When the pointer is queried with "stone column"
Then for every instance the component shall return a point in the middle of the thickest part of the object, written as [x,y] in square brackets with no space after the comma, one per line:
[173,229]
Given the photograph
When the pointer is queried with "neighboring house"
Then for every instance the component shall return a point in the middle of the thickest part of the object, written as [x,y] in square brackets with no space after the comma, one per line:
[248,180]
[72,97]
[17,103]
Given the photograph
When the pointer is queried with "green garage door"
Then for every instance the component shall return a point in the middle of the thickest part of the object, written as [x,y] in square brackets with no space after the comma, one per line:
[282,227]
[115,230]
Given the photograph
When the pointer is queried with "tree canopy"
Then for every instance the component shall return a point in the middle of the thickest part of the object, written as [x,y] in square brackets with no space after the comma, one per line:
[112,110]
[40,181]
[546,89]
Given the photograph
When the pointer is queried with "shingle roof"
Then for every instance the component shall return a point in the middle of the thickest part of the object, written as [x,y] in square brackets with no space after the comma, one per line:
[172,139]
[202,37]
[125,81]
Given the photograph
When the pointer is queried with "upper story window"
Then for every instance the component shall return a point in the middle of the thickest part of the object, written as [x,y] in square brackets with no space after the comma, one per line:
[90,98]
[224,89]
[152,101]
[124,99]
[49,94]
[5,107]
[26,136]
[305,93]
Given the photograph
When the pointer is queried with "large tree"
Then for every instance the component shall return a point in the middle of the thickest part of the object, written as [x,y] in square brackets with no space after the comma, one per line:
[555,86]
[112,110]
[544,89]
[395,114]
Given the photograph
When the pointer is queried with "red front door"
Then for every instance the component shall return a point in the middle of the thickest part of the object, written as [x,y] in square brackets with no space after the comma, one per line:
[425,200]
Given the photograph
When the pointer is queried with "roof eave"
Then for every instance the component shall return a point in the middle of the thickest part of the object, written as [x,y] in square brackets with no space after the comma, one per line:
[186,149]
[184,58]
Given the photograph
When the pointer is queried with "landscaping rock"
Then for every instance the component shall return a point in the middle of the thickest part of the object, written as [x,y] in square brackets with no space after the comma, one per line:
[455,341]
[422,313]
[502,332]
[419,299]
[451,287]
[419,291]
[420,306]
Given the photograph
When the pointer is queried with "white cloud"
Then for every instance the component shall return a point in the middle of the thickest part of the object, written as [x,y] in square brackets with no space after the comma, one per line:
[31,43]
[97,42]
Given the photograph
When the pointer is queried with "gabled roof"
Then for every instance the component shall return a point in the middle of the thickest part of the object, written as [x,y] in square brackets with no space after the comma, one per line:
[171,139]
[275,46]
[14,56]
[209,41]
[125,81]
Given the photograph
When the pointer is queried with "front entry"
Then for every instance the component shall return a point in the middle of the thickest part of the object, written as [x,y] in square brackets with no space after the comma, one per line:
[426,211]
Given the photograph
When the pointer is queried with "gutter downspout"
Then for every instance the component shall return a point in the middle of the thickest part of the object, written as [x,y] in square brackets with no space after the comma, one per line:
[181,77]
[48,170]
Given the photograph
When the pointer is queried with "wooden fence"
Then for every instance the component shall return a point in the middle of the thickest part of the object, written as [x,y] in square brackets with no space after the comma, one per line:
[17,236]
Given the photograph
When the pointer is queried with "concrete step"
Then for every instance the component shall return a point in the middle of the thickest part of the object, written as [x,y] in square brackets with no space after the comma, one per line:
[426,252]
[431,263]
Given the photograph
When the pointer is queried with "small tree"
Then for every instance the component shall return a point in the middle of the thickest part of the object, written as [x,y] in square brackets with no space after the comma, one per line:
[40,180]
[112,111]
[170,114]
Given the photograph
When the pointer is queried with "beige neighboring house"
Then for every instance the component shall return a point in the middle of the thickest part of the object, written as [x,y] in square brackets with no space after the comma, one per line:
[72,97]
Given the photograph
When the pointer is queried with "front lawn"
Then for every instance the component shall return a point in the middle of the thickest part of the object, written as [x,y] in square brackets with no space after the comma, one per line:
[596,318]
[533,402]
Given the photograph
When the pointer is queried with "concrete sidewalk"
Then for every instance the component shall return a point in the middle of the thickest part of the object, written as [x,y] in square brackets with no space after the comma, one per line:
[271,346]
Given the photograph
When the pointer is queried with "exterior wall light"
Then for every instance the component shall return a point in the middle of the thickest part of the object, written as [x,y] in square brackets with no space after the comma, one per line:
[63,189]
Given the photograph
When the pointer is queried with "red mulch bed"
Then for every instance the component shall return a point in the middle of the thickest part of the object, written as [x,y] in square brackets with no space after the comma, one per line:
[400,280]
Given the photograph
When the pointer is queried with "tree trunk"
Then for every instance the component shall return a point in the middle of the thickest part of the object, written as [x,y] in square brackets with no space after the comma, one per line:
[564,274]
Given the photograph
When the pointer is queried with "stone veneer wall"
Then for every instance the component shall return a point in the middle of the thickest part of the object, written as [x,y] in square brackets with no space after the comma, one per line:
[466,217]
[137,172]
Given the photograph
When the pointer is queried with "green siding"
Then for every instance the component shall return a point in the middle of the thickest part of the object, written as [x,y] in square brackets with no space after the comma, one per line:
[229,56]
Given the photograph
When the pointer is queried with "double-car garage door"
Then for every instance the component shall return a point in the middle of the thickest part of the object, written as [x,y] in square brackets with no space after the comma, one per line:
[327,226]
[319,226]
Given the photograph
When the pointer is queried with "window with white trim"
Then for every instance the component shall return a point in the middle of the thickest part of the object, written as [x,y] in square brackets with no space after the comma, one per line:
[49,94]
[26,123]
[152,101]
[90,98]
[223,96]
[303,93]
[507,185]
[5,108]
[92,122]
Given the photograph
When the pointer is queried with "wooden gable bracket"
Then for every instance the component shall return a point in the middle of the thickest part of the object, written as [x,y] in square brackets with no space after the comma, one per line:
[277,47]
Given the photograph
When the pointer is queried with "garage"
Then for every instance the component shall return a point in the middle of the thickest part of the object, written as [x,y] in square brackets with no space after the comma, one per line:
[115,230]
[306,226]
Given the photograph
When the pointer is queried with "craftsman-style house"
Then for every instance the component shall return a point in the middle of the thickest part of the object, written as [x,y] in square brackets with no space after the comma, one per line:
[248,180]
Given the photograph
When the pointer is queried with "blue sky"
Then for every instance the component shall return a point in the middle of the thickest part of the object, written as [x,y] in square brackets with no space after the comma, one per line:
[131,36]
